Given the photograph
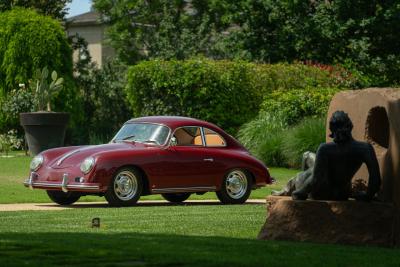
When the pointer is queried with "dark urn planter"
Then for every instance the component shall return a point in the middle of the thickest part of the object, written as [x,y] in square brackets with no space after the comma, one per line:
[44,130]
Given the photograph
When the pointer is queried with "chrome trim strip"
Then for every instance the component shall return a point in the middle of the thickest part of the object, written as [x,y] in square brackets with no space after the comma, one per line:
[64,183]
[61,160]
[53,185]
[184,189]
[203,137]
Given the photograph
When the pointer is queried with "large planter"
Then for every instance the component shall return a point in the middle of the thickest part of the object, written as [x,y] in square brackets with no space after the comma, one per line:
[44,130]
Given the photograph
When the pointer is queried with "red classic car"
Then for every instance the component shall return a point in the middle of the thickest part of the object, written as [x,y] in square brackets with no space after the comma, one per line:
[172,156]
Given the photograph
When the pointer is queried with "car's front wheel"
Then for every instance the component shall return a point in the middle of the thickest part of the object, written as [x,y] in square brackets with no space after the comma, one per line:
[125,188]
[176,197]
[63,198]
[236,187]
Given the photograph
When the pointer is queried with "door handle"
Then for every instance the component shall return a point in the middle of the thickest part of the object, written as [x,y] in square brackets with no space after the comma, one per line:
[209,159]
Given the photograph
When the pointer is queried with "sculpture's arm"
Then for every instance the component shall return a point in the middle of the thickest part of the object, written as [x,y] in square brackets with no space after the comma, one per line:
[374,181]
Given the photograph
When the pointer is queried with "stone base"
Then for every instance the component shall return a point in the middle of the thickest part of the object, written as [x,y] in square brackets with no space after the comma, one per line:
[337,222]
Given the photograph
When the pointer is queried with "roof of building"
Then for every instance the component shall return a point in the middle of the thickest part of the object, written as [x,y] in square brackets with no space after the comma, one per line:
[88,18]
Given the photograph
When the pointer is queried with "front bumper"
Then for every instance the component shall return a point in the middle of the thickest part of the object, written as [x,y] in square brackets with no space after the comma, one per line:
[65,186]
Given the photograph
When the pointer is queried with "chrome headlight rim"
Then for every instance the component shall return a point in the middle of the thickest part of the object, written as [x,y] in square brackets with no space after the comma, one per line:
[36,163]
[87,165]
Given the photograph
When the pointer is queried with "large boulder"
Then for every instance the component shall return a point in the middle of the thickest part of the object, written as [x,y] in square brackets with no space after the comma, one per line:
[337,222]
[375,113]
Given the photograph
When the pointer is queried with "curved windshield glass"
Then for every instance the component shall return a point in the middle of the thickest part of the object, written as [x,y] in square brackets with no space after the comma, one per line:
[143,133]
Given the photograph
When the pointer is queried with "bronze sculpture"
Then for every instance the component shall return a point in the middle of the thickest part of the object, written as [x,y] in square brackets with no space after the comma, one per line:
[327,175]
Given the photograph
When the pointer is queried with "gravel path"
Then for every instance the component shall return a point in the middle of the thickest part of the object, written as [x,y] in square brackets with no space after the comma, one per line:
[52,206]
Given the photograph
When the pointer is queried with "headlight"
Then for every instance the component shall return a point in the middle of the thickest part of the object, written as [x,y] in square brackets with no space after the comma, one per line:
[36,162]
[87,165]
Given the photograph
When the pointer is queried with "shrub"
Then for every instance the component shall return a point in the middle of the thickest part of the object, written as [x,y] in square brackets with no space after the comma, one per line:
[299,103]
[224,92]
[29,41]
[306,136]
[10,141]
[217,91]
[264,138]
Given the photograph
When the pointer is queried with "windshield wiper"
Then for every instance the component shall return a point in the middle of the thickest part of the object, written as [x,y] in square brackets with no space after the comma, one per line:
[127,137]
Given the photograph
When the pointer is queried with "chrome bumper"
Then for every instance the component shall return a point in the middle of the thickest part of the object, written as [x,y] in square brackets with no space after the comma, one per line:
[64,186]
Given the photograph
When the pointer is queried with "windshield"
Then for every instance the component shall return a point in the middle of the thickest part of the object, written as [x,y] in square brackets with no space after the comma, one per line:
[143,133]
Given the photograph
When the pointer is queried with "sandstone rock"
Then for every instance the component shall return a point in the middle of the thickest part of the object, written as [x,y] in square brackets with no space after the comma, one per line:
[375,114]
[337,222]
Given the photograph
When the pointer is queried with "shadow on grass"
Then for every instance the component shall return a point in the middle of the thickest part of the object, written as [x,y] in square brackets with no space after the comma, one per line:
[151,203]
[138,249]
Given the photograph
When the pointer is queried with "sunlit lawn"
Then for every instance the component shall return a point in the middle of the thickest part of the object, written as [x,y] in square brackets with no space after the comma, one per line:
[194,235]
[14,170]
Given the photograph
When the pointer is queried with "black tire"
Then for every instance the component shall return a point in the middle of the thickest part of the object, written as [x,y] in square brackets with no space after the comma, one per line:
[176,197]
[129,195]
[63,198]
[228,195]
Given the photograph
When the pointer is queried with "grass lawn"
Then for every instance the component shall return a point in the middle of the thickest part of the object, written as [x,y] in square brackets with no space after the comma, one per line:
[185,235]
[13,171]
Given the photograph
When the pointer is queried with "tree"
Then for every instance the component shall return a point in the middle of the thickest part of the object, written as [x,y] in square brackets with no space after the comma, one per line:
[360,34]
[55,8]
[29,41]
[177,29]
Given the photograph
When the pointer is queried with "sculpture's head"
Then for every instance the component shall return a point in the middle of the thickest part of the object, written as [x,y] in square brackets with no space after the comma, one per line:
[340,126]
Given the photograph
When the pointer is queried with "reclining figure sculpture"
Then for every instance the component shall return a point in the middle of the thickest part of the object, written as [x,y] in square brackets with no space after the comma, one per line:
[327,175]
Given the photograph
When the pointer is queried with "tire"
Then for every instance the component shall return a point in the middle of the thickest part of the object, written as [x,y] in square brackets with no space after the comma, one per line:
[62,198]
[176,197]
[236,187]
[125,188]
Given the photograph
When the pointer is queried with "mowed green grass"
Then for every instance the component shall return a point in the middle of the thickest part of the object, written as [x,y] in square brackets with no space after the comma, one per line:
[184,235]
[14,170]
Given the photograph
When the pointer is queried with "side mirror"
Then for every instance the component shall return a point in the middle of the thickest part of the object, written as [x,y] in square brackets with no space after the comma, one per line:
[173,141]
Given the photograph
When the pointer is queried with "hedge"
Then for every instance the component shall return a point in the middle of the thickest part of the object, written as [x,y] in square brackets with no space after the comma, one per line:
[227,93]
[299,103]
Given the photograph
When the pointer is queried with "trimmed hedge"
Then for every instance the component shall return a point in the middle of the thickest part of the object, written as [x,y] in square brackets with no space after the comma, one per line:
[223,92]
[299,103]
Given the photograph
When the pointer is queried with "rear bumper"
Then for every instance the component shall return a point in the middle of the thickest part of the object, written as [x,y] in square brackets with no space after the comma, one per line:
[64,186]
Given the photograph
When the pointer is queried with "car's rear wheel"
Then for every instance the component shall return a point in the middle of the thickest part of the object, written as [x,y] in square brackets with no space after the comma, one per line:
[236,187]
[125,188]
[63,198]
[176,197]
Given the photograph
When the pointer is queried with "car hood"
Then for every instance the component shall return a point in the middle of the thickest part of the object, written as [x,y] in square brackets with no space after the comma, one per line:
[78,154]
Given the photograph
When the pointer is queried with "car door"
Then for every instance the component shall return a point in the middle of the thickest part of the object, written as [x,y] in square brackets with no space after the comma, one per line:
[187,162]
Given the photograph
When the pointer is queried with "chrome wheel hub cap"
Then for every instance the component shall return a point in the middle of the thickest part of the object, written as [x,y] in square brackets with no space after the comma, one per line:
[125,185]
[236,184]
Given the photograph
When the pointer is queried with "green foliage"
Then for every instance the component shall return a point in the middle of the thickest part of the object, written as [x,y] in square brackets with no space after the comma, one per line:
[17,101]
[10,141]
[305,136]
[163,29]
[264,138]
[56,9]
[360,34]
[224,92]
[105,104]
[44,91]
[216,91]
[299,103]
[29,41]
[276,143]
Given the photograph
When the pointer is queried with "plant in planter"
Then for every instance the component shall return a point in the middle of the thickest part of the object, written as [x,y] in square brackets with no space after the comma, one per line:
[44,129]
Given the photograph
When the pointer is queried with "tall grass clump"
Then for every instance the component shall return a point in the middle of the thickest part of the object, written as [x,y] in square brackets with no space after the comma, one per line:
[305,136]
[264,138]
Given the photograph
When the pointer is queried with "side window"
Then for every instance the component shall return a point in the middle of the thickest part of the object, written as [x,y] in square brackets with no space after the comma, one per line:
[188,136]
[213,139]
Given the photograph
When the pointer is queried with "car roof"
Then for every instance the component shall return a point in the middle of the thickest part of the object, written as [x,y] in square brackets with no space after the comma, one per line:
[173,121]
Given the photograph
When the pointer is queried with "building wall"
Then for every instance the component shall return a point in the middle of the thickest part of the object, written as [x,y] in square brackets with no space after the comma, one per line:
[94,36]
